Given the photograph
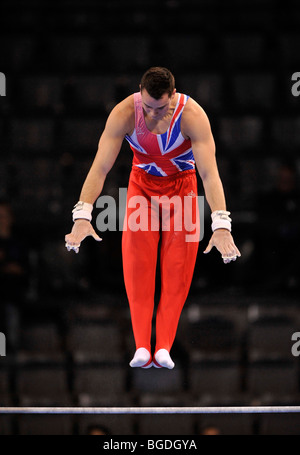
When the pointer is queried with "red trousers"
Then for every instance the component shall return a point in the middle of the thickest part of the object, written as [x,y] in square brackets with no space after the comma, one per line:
[146,223]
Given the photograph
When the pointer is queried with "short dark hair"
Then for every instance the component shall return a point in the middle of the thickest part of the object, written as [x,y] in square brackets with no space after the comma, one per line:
[158,81]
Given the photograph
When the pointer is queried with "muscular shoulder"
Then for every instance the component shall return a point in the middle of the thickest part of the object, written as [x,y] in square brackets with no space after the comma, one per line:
[194,120]
[121,118]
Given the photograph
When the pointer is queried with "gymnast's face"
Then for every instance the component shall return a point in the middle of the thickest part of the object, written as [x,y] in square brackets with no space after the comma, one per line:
[157,109]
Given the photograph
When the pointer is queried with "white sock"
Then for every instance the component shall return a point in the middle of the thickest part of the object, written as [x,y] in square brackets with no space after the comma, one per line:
[163,358]
[141,358]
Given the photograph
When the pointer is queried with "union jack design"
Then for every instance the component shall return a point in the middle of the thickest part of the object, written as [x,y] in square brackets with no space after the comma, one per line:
[160,154]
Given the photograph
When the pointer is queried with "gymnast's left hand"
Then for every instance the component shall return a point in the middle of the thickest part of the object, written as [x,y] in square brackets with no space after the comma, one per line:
[223,241]
[81,229]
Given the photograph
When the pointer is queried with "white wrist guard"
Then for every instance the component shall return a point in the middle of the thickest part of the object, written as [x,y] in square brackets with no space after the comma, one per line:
[82,210]
[220,220]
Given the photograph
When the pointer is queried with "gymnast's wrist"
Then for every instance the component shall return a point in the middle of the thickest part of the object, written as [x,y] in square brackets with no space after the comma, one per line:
[78,220]
[221,220]
[82,211]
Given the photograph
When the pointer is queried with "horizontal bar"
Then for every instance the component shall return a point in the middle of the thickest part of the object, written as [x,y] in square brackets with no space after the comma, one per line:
[151,410]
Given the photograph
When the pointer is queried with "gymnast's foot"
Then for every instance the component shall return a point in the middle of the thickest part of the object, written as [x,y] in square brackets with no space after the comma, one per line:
[162,359]
[142,358]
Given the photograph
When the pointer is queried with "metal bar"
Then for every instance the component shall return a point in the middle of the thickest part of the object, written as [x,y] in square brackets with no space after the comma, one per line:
[151,410]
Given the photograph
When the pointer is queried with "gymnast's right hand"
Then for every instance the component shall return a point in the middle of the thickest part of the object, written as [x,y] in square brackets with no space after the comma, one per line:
[81,229]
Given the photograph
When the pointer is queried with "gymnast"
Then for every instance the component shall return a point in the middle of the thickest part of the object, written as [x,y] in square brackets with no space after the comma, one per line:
[170,136]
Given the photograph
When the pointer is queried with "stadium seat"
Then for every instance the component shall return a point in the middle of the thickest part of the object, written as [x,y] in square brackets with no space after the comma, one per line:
[157,380]
[45,425]
[254,91]
[226,424]
[34,135]
[272,377]
[95,340]
[78,135]
[40,93]
[270,335]
[205,88]
[285,132]
[99,380]
[280,424]
[128,52]
[212,333]
[243,50]
[288,44]
[166,424]
[215,376]
[183,50]
[40,338]
[4,381]
[42,381]
[240,133]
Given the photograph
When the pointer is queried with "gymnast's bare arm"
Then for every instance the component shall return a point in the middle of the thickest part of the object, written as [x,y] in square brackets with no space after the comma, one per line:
[119,123]
[195,126]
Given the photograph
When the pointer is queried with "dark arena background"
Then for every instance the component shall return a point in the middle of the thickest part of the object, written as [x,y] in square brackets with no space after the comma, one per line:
[64,318]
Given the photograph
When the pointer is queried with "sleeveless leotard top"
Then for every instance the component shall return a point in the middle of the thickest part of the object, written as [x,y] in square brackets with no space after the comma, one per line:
[160,154]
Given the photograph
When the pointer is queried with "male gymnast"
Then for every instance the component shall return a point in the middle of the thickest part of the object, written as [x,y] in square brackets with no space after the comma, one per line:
[170,136]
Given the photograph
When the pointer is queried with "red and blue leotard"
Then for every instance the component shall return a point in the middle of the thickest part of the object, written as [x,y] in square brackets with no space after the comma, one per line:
[163,165]
[160,154]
